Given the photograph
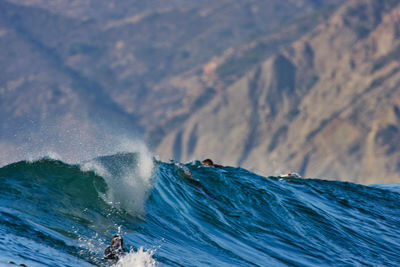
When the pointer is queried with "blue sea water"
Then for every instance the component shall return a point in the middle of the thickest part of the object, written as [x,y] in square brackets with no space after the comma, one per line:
[172,214]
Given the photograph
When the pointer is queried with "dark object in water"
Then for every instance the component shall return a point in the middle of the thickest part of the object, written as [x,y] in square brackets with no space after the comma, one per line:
[209,162]
[23,265]
[116,250]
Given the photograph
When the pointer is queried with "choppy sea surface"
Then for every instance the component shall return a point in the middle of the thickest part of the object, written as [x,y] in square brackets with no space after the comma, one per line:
[171,214]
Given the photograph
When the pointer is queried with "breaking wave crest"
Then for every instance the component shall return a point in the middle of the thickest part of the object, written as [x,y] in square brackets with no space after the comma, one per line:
[173,214]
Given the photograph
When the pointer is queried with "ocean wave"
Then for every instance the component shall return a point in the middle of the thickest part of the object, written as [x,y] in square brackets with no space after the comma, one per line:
[175,214]
[128,176]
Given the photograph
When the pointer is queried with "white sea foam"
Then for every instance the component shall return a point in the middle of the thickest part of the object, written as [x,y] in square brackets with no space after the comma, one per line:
[140,258]
[128,189]
[96,167]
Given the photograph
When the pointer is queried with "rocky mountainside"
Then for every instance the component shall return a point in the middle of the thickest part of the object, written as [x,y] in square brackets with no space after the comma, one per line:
[95,64]
[328,105]
[275,86]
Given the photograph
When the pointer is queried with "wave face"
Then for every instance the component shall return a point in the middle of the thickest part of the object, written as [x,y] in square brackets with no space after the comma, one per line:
[171,214]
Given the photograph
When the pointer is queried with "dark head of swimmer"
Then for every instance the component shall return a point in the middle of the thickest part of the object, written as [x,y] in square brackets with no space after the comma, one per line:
[209,162]
[116,250]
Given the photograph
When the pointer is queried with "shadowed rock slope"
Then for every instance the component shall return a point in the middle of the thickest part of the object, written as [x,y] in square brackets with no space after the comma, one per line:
[274,86]
[96,64]
[328,105]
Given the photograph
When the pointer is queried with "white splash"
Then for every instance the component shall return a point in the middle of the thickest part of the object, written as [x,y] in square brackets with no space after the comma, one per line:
[130,189]
[94,166]
[140,258]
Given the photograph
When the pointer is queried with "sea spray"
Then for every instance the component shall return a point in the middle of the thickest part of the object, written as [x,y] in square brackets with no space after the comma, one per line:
[47,155]
[73,141]
[139,258]
[128,177]
[127,174]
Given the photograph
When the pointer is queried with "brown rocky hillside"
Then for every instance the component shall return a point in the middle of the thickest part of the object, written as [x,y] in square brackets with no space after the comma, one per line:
[74,72]
[274,86]
[327,106]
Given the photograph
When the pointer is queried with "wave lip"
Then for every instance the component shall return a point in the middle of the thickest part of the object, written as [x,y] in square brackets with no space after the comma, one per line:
[128,176]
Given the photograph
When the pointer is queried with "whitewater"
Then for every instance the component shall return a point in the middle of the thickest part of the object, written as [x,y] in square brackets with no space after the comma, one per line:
[54,213]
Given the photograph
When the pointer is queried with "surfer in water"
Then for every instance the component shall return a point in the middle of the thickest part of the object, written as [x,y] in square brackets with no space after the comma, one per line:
[209,162]
[116,250]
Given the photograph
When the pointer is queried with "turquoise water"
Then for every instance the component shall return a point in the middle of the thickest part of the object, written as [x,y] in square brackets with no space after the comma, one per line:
[172,214]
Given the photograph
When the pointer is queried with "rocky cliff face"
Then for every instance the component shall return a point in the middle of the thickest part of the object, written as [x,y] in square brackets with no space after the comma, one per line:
[274,86]
[326,106]
[95,64]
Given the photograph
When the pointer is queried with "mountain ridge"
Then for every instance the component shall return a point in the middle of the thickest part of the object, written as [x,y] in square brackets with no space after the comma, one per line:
[306,86]
[316,131]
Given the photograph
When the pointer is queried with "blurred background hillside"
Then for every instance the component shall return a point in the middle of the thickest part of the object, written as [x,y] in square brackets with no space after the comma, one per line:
[311,86]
